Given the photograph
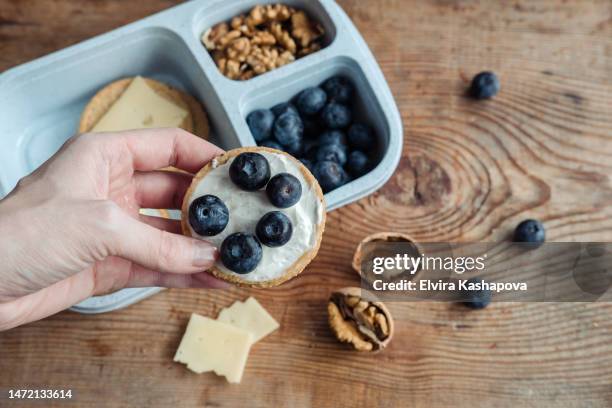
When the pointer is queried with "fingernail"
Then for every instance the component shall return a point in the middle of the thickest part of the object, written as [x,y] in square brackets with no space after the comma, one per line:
[204,254]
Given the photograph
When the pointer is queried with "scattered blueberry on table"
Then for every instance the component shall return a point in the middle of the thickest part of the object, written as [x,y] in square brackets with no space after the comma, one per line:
[485,85]
[531,232]
[477,299]
[321,128]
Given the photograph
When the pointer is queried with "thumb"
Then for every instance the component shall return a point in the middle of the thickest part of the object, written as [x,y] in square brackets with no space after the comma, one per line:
[161,250]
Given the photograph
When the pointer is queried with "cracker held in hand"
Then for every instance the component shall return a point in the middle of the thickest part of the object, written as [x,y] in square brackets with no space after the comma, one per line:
[263,209]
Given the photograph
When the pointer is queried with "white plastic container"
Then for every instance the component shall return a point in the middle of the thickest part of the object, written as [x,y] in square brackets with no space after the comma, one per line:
[41,101]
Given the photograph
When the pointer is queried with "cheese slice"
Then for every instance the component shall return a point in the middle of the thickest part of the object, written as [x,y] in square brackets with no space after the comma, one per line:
[140,107]
[209,345]
[250,316]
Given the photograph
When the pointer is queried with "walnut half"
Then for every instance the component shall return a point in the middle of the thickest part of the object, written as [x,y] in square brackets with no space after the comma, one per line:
[367,250]
[356,318]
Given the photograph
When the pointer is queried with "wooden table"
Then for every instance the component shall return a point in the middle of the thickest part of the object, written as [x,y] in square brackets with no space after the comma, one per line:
[470,171]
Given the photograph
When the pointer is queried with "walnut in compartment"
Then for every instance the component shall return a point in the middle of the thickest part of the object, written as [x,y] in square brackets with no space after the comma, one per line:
[267,37]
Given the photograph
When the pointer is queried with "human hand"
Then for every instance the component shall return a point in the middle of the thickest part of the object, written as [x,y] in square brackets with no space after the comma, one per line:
[72,228]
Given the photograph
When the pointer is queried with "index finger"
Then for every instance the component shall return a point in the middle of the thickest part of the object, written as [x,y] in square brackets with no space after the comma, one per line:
[153,149]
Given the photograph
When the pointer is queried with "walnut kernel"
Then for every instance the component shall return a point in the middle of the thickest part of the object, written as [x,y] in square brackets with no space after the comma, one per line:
[304,30]
[267,37]
[358,319]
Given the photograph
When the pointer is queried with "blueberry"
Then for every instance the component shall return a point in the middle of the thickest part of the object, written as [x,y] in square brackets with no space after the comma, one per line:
[283,107]
[339,89]
[309,164]
[271,144]
[295,149]
[312,127]
[530,231]
[284,190]
[241,252]
[250,171]
[208,215]
[261,122]
[310,150]
[310,101]
[361,137]
[288,128]
[331,152]
[484,85]
[332,137]
[274,229]
[336,116]
[476,299]
[357,164]
[330,175]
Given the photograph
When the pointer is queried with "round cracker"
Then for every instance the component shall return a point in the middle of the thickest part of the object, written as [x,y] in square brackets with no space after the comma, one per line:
[299,265]
[196,122]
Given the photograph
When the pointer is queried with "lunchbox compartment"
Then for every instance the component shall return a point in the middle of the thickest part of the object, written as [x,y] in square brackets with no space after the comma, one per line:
[40,108]
[223,11]
[366,106]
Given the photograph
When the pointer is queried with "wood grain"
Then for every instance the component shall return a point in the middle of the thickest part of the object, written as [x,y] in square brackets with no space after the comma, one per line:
[470,171]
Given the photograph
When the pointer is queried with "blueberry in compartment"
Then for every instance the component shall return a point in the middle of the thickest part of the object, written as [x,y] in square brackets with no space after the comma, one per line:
[250,171]
[295,149]
[274,229]
[331,152]
[357,164]
[308,163]
[531,232]
[310,101]
[288,129]
[284,190]
[332,137]
[283,107]
[310,149]
[260,123]
[336,116]
[241,252]
[361,137]
[485,85]
[330,175]
[208,215]
[339,89]
[271,144]
[312,127]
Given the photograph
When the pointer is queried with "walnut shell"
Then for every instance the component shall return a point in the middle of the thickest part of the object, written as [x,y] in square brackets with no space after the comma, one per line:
[356,317]
[361,255]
